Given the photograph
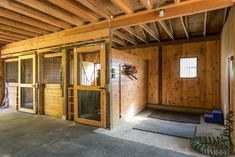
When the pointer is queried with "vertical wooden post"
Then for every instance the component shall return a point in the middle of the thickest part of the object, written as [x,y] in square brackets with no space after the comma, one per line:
[40,87]
[65,83]
[160,75]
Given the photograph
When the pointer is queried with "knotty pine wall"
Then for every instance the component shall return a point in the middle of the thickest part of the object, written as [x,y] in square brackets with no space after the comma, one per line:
[2,87]
[200,93]
[228,50]
[130,97]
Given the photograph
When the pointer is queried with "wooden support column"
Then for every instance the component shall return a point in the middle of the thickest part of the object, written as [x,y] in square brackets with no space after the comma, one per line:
[160,75]
[65,83]
[40,87]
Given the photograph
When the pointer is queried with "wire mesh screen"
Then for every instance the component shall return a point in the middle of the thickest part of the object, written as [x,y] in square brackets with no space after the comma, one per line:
[188,67]
[12,72]
[27,71]
[52,70]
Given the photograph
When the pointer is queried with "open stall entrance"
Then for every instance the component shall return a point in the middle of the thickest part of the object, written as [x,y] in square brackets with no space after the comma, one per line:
[89,85]
[11,82]
[27,90]
[51,75]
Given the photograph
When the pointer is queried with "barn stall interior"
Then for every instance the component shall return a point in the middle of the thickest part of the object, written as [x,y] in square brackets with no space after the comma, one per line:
[157,68]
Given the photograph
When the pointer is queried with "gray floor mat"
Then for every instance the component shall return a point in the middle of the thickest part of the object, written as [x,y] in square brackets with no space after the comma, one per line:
[176,116]
[167,128]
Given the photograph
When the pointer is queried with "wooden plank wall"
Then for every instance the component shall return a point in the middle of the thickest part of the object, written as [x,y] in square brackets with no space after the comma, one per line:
[53,100]
[201,93]
[133,96]
[227,50]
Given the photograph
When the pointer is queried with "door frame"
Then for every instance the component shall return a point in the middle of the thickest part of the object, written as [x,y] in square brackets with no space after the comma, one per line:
[102,88]
[23,85]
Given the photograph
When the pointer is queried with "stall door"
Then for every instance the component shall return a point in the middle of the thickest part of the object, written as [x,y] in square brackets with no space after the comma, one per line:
[89,85]
[52,80]
[27,89]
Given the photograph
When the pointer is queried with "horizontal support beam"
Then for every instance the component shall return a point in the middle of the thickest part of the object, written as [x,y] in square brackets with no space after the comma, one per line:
[171,11]
[55,39]
[173,42]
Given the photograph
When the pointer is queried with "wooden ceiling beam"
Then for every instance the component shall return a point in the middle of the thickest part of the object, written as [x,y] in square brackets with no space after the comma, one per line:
[26,20]
[22,26]
[205,24]
[125,5]
[184,8]
[50,10]
[147,3]
[124,36]
[96,7]
[80,12]
[17,30]
[118,41]
[184,26]
[132,31]
[150,31]
[9,37]
[13,34]
[167,29]
[6,40]
[11,5]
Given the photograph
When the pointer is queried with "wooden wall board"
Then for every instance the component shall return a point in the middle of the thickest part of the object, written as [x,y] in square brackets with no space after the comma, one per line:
[53,100]
[133,96]
[13,95]
[228,50]
[202,92]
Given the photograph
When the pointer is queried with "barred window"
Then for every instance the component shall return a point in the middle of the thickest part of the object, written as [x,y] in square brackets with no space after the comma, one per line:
[188,67]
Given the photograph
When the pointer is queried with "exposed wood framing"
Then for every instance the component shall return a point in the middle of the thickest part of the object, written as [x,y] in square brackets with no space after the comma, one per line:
[205,24]
[147,3]
[132,31]
[17,30]
[11,5]
[125,37]
[48,9]
[79,11]
[119,41]
[96,7]
[30,21]
[9,37]
[167,29]
[22,26]
[8,33]
[125,5]
[184,26]
[172,42]
[150,31]
[171,11]
[55,39]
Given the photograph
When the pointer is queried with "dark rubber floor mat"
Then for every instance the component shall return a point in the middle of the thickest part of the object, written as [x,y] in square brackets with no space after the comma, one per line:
[167,128]
[176,116]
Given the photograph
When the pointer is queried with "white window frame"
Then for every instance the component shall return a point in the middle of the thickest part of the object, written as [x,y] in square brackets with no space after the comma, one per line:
[187,75]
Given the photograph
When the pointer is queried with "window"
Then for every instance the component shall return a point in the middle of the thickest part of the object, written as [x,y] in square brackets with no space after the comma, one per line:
[188,67]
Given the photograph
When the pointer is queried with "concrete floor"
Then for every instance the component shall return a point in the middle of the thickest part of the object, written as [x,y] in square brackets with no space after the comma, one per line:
[125,131]
[27,135]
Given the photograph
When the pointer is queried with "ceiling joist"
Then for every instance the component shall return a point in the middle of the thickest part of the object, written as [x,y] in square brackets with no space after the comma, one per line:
[132,31]
[184,26]
[205,24]
[118,41]
[27,20]
[48,9]
[167,29]
[11,5]
[78,11]
[96,7]
[150,31]
[125,5]
[124,36]
[22,26]
[17,30]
